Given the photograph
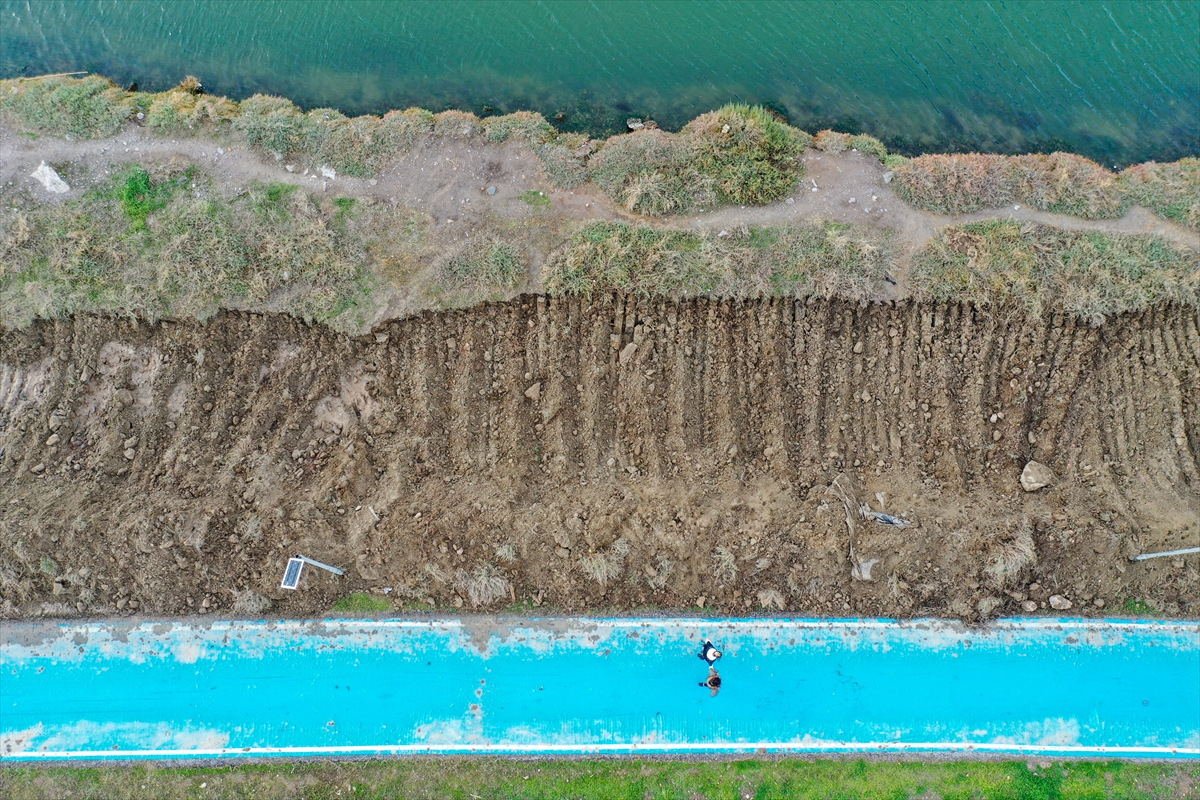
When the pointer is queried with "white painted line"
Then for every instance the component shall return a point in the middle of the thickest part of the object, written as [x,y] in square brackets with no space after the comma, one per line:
[698,747]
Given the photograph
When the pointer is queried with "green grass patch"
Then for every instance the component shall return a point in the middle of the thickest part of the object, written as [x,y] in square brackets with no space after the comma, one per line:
[483,269]
[1085,273]
[536,199]
[481,778]
[1136,607]
[140,195]
[811,259]
[362,603]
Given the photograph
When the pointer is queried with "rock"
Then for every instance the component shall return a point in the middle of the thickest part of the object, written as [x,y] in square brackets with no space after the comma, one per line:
[627,352]
[130,453]
[724,129]
[563,552]
[329,173]
[132,441]
[858,347]
[790,201]
[1059,603]
[583,149]
[38,469]
[634,124]
[381,338]
[207,406]
[887,176]
[53,440]
[1098,603]
[1029,606]
[56,421]
[491,190]
[123,397]
[1036,476]
[534,392]
[997,436]
[49,179]
[723,235]
[852,201]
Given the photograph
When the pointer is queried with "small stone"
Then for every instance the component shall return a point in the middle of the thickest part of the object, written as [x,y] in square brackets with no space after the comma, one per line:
[130,453]
[790,201]
[887,177]
[1098,602]
[123,397]
[534,392]
[1059,603]
[627,352]
[634,124]
[563,552]
[723,235]
[1036,476]
[491,190]
[53,440]
[997,436]
[1029,606]
[207,406]
[381,338]
[852,201]
[38,469]
[328,173]
[858,347]
[132,441]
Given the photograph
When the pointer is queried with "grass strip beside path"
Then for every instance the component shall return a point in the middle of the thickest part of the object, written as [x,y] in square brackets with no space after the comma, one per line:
[635,779]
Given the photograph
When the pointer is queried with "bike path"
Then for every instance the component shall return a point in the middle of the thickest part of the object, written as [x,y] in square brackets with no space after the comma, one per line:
[499,685]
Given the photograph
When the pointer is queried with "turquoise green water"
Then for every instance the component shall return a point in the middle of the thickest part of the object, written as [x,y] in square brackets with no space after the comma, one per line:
[1118,81]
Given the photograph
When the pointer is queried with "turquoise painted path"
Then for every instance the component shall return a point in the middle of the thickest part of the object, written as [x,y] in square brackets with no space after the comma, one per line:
[572,685]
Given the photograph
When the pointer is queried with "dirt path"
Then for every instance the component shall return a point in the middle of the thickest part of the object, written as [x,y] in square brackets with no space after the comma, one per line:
[609,455]
[447,178]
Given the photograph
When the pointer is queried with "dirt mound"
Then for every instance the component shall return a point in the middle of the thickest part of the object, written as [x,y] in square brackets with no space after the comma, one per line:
[604,455]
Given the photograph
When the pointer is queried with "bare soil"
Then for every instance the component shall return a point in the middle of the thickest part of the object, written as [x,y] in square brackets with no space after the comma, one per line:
[528,452]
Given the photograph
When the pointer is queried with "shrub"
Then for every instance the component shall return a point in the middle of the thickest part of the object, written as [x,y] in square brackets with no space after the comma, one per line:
[1060,182]
[89,107]
[738,154]
[273,123]
[1169,190]
[650,172]
[750,155]
[1086,273]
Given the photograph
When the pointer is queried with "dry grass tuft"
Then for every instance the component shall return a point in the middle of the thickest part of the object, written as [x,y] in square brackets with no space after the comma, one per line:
[1061,182]
[1010,555]
[1169,190]
[724,564]
[605,567]
[483,585]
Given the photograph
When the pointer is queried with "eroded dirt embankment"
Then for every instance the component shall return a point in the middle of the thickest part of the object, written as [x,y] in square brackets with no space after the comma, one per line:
[605,455]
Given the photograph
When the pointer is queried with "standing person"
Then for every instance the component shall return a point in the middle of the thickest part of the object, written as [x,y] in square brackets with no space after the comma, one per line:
[714,682]
[709,653]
